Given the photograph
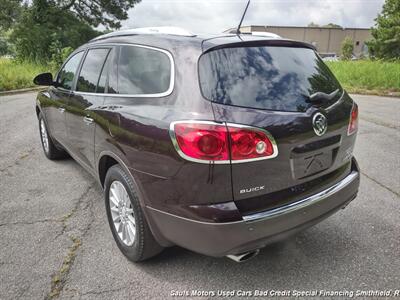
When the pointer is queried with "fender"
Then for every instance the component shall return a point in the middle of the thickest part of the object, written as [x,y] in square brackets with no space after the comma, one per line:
[153,227]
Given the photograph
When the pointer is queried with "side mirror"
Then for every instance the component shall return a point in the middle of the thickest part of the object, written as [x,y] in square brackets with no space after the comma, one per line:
[44,79]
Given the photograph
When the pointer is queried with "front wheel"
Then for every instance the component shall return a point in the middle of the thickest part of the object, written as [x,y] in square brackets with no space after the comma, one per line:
[49,148]
[125,216]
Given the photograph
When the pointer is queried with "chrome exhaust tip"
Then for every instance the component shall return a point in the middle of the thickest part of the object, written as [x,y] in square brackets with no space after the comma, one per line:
[244,256]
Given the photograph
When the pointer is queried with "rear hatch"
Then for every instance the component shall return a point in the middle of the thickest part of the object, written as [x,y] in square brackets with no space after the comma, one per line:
[273,87]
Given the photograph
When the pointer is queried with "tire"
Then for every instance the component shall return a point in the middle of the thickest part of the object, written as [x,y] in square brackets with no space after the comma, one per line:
[142,245]
[49,148]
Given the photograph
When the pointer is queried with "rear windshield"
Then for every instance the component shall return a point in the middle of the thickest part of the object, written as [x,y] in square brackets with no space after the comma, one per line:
[270,77]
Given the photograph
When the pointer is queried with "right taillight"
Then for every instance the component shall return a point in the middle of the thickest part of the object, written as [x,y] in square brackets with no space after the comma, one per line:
[353,124]
[207,141]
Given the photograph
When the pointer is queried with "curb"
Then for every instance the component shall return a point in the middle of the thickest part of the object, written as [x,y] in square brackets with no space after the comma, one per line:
[20,91]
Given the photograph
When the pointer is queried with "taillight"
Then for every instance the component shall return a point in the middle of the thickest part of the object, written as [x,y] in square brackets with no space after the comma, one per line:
[202,141]
[353,124]
[206,141]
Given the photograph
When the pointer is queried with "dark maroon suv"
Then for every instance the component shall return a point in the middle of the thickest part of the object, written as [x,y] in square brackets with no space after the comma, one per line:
[219,144]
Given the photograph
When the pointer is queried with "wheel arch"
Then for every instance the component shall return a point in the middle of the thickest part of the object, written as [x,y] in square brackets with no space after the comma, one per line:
[106,160]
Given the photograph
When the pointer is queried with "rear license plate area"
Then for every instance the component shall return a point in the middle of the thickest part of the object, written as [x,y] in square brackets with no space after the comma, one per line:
[311,163]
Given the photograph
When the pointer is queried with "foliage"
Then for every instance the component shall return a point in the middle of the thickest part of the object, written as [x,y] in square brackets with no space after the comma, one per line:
[329,25]
[43,30]
[10,10]
[96,12]
[18,75]
[58,54]
[332,25]
[367,76]
[386,34]
[347,48]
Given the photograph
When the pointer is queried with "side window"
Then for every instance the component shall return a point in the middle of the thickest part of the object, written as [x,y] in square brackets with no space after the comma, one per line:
[91,69]
[103,76]
[66,75]
[143,71]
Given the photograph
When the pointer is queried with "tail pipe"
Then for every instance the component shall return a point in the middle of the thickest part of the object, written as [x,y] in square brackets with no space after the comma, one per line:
[244,256]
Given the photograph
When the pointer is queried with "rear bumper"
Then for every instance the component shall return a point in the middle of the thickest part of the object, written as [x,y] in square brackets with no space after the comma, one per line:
[257,230]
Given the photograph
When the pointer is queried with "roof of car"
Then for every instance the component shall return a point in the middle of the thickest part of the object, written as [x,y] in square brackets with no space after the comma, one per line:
[170,37]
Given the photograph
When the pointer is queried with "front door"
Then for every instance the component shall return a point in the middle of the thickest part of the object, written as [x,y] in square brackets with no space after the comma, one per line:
[84,103]
[59,97]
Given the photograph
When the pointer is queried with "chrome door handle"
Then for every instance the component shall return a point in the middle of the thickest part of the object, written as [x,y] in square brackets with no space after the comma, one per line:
[88,120]
[61,109]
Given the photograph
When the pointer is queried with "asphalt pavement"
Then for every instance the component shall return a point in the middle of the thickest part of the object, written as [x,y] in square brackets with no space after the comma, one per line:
[55,240]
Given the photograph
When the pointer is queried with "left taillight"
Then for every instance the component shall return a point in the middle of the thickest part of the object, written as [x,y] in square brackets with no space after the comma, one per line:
[353,123]
[207,141]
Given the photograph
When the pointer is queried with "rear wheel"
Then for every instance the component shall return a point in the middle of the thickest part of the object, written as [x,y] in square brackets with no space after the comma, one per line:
[125,216]
[49,148]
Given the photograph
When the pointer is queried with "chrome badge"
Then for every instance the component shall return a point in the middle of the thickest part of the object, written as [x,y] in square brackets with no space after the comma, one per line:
[320,124]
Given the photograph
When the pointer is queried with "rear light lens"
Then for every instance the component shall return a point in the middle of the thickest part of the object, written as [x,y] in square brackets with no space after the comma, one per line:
[206,141]
[202,141]
[353,124]
[249,144]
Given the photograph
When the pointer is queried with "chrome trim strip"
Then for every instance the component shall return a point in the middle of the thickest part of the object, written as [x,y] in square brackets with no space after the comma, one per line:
[219,162]
[303,203]
[163,94]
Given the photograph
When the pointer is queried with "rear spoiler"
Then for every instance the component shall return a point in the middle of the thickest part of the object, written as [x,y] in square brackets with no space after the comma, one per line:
[258,43]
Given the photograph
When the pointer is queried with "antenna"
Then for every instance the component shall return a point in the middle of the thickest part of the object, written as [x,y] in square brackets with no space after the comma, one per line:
[241,20]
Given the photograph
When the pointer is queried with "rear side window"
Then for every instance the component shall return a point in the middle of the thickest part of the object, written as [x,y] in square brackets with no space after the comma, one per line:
[66,76]
[91,69]
[143,71]
[274,78]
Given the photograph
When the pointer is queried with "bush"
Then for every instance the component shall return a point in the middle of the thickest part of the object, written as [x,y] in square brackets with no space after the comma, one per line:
[18,75]
[366,76]
[347,48]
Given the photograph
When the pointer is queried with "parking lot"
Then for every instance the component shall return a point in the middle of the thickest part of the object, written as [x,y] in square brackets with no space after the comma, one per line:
[55,240]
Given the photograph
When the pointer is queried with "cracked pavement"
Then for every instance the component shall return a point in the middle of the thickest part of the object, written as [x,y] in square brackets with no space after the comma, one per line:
[55,241]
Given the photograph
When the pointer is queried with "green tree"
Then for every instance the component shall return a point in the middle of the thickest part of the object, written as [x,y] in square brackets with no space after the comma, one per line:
[386,33]
[312,24]
[96,12]
[43,27]
[332,25]
[347,48]
[10,10]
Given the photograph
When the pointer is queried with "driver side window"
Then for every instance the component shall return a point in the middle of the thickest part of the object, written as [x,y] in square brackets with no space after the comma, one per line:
[66,76]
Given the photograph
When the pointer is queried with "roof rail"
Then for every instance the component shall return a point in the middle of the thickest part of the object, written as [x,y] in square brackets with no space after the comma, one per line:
[266,34]
[148,30]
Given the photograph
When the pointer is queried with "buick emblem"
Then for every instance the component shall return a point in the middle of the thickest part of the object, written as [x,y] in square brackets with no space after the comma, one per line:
[320,124]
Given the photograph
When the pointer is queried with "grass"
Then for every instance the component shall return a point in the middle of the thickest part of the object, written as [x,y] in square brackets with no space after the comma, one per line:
[18,75]
[362,76]
[368,77]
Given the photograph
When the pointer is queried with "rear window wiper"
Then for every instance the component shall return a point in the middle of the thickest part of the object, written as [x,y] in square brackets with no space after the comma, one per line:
[319,97]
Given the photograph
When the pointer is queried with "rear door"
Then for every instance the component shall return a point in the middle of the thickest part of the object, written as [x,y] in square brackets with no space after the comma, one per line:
[59,98]
[269,87]
[84,103]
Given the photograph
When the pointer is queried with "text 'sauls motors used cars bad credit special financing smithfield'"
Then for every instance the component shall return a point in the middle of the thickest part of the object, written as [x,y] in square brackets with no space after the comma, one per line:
[219,144]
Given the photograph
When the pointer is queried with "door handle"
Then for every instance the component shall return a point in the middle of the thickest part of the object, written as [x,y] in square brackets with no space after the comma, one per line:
[61,109]
[88,120]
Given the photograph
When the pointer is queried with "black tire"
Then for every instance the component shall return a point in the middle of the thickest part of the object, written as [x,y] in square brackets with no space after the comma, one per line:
[51,151]
[144,244]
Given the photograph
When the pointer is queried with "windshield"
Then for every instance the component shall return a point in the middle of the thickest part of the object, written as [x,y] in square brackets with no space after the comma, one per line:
[269,77]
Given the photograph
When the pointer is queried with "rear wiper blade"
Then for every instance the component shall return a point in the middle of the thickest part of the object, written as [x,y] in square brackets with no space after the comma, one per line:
[322,97]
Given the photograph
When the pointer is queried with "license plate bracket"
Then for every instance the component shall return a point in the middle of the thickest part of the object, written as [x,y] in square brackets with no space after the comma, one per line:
[310,164]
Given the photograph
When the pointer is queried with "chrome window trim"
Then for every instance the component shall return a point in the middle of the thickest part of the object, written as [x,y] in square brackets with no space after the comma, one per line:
[225,124]
[156,95]
[304,202]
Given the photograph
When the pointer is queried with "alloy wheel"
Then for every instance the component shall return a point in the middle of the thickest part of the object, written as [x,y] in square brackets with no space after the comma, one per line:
[122,214]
